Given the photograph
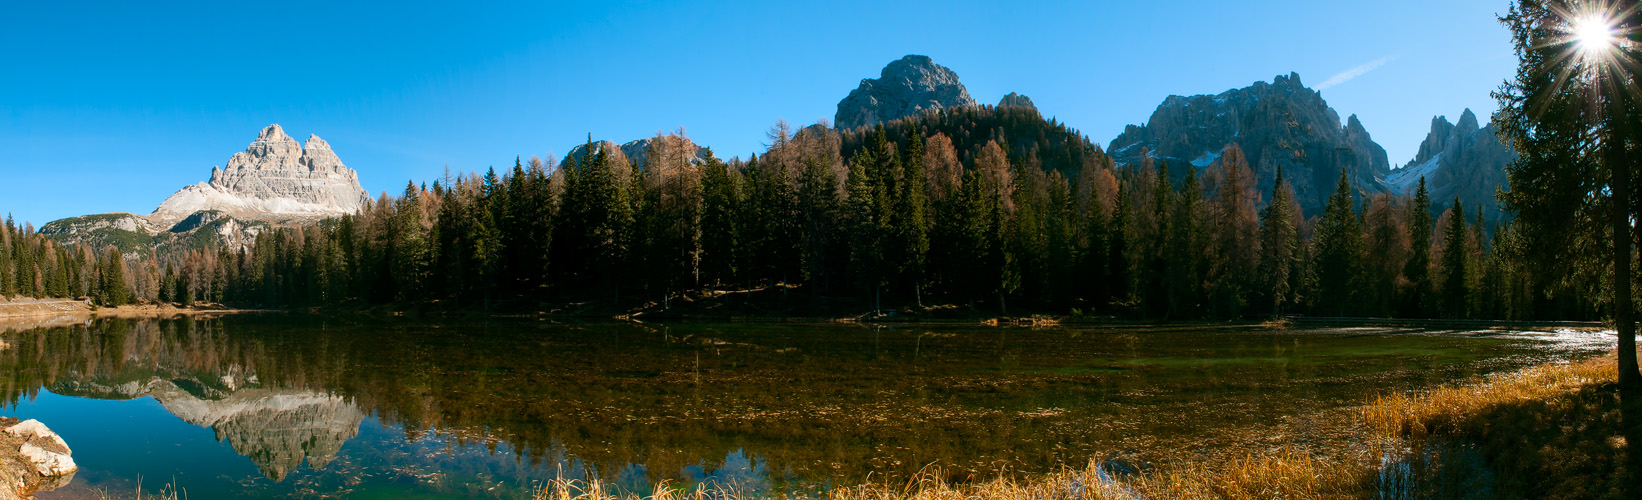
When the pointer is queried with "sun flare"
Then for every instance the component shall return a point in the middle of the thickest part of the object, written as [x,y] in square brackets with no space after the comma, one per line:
[1595,34]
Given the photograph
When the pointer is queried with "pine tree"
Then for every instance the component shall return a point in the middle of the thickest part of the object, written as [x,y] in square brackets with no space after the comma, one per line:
[913,220]
[1417,270]
[114,289]
[1120,281]
[818,212]
[1279,241]
[721,237]
[866,248]
[1456,260]
[1184,250]
[1573,183]
[1339,246]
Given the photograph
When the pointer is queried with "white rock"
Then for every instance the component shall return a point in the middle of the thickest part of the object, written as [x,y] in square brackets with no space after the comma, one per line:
[32,430]
[48,463]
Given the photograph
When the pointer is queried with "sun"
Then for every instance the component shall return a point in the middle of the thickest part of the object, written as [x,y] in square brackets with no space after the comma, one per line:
[1595,34]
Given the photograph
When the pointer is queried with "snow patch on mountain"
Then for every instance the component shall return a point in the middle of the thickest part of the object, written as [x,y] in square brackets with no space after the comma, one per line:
[1403,180]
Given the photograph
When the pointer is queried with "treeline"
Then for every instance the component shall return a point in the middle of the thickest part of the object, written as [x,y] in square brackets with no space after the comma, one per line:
[32,265]
[1032,218]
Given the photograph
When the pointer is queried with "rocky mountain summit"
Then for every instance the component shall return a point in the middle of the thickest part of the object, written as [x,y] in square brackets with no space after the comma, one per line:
[1278,124]
[907,86]
[275,181]
[274,178]
[1014,99]
[1457,160]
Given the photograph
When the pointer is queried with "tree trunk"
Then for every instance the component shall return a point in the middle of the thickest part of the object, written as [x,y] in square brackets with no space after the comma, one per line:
[1624,306]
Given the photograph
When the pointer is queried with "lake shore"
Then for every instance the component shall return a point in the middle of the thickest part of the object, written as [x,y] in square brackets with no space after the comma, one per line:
[27,313]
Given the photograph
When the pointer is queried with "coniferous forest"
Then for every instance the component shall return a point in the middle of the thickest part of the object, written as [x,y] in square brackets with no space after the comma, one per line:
[992,209]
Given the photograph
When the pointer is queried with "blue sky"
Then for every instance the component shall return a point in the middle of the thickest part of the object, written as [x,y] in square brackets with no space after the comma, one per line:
[112,107]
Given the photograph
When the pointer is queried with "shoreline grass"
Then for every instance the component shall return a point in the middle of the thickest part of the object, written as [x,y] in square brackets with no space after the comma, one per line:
[1285,474]
[1453,409]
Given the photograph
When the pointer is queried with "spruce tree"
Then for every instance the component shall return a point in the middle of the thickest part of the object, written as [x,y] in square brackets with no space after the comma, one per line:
[1456,260]
[720,235]
[912,221]
[1184,249]
[1339,251]
[1279,240]
[866,249]
[1417,270]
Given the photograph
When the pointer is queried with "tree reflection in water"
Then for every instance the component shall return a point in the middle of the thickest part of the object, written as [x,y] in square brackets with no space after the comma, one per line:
[463,407]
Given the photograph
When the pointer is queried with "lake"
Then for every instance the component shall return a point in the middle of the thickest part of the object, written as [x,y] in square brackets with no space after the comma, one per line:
[283,406]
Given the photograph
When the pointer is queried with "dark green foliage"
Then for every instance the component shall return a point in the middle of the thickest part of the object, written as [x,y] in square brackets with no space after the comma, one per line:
[1573,117]
[1339,252]
[1279,242]
[1456,263]
[720,228]
[1417,270]
[912,219]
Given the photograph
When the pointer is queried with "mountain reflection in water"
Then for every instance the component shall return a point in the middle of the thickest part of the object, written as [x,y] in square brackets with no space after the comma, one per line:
[491,408]
[276,429]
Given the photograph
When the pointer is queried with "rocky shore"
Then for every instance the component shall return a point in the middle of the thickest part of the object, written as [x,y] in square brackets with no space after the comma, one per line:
[32,459]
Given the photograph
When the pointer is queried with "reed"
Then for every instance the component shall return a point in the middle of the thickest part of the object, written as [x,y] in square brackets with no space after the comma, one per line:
[1286,474]
[1453,409]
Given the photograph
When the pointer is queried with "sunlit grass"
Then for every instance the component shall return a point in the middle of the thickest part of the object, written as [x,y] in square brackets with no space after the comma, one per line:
[1284,474]
[1453,408]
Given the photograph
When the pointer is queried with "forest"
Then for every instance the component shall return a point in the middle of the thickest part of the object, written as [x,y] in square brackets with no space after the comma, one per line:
[991,209]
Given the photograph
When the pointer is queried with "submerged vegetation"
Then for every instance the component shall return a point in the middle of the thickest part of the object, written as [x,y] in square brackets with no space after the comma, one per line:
[1546,431]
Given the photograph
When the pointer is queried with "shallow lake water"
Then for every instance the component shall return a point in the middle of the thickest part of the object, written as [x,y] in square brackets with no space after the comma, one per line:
[300,407]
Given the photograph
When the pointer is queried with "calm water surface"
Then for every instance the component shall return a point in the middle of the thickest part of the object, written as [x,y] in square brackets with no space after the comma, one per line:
[283,407]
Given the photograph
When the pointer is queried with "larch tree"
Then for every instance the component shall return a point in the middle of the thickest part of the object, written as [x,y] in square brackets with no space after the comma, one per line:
[1234,227]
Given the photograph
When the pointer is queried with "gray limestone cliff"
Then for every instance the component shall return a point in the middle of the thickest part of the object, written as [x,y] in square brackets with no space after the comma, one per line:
[274,178]
[907,86]
[1278,124]
[1461,160]
[1014,99]
[275,181]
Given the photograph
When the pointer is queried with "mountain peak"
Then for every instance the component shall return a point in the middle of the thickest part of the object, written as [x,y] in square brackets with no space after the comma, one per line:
[273,179]
[906,86]
[1468,121]
[1278,123]
[273,133]
[1014,99]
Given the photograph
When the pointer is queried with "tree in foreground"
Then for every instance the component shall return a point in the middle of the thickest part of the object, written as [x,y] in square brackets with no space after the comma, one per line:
[1571,112]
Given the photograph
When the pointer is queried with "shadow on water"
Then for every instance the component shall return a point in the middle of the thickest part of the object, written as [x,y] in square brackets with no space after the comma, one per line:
[1581,445]
[484,409]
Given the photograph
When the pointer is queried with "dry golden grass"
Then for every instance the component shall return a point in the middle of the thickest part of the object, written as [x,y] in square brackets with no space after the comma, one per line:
[1287,474]
[1450,409]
